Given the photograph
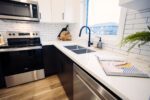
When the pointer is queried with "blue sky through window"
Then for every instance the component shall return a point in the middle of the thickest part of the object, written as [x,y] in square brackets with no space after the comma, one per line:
[103,16]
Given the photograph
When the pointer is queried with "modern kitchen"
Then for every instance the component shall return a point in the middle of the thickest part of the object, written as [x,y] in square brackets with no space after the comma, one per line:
[74,49]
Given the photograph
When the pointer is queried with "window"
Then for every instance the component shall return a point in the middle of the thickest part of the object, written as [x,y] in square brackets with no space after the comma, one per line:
[103,16]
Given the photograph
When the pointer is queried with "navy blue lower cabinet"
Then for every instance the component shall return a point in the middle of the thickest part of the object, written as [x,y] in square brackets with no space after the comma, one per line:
[49,60]
[2,80]
[65,72]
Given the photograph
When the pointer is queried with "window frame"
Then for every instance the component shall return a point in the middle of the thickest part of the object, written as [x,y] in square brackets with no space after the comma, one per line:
[109,38]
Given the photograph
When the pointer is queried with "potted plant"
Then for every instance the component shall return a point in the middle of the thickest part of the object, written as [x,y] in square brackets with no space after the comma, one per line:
[138,38]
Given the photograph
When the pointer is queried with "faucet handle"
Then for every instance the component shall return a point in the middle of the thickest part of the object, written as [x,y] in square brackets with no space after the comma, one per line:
[89,43]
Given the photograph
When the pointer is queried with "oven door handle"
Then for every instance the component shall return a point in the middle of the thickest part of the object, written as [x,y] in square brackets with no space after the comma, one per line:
[20,49]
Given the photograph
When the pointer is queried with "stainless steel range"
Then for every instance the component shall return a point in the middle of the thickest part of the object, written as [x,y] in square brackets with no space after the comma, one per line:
[22,57]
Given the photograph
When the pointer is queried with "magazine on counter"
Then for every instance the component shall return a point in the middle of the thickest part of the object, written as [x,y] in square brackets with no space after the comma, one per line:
[117,67]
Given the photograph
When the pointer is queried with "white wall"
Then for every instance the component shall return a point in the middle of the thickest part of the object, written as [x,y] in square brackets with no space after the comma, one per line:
[47,31]
[131,21]
[135,21]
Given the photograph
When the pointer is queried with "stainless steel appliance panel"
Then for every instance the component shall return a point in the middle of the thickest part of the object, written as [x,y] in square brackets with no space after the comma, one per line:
[82,91]
[22,58]
[86,88]
[19,10]
[21,78]
[20,49]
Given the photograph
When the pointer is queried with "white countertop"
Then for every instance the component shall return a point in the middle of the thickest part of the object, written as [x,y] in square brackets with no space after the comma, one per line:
[131,88]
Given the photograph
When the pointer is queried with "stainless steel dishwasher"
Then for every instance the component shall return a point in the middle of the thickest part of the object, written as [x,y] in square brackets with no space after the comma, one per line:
[86,88]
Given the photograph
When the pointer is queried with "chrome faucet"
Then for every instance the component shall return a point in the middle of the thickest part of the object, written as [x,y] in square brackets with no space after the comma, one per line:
[89,41]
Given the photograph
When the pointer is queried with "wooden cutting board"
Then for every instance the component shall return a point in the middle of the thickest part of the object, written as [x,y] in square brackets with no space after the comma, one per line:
[2,41]
[65,36]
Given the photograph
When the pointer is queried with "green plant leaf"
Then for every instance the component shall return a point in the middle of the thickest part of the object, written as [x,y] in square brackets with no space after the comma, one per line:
[143,37]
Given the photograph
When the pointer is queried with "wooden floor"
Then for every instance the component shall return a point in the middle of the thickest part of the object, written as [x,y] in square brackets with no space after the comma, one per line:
[46,89]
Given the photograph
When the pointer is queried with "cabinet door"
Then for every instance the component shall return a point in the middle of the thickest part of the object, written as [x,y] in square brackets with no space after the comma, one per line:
[49,60]
[72,11]
[58,13]
[69,11]
[68,77]
[45,10]
[65,72]
[60,64]
[2,80]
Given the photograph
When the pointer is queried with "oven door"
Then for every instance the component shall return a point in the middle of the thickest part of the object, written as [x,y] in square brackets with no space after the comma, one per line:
[22,61]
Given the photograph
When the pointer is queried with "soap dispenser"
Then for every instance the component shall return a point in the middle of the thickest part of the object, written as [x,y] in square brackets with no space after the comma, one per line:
[99,44]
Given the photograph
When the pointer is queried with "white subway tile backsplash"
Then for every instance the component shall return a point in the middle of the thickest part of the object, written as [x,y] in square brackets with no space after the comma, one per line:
[145,47]
[147,29]
[131,16]
[120,51]
[128,31]
[137,21]
[127,27]
[107,48]
[143,15]
[47,31]
[145,52]
[136,51]
[131,11]
[143,58]
[138,30]
[124,49]
[131,31]
[140,26]
[148,20]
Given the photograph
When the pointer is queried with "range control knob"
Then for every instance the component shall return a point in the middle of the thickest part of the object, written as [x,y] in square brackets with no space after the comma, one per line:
[36,33]
[9,34]
[13,34]
[33,33]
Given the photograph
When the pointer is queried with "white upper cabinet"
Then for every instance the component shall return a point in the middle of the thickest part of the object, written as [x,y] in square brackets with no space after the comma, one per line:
[135,4]
[63,11]
[58,10]
[69,15]
[45,10]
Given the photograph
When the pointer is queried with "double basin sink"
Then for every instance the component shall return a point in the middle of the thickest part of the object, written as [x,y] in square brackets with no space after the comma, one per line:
[78,49]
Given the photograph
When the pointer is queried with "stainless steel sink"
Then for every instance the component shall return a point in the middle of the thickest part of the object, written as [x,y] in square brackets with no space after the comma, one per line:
[78,49]
[72,47]
[82,51]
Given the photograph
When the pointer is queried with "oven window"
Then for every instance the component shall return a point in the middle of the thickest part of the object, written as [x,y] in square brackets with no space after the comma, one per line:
[22,61]
[22,9]
[14,8]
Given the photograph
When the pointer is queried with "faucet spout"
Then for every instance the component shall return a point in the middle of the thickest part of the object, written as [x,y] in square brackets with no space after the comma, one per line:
[89,40]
